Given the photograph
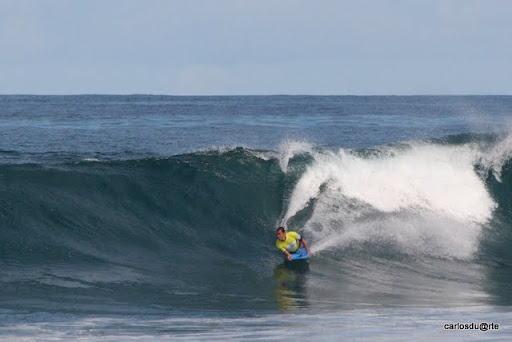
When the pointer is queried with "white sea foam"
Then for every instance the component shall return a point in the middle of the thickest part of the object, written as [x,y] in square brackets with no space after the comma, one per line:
[423,199]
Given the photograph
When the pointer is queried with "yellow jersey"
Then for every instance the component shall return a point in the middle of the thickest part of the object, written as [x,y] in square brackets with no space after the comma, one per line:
[291,243]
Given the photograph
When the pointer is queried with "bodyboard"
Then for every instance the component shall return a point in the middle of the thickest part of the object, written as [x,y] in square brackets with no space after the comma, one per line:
[301,253]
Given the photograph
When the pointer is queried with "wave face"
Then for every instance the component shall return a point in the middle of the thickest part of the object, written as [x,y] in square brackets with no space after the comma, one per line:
[417,222]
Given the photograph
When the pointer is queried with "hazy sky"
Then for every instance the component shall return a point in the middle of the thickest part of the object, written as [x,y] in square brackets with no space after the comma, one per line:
[212,47]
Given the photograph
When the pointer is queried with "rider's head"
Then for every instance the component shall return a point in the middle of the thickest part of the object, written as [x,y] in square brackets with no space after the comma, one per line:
[281,233]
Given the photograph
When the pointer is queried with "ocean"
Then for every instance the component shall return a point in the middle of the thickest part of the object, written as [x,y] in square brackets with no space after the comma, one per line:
[149,218]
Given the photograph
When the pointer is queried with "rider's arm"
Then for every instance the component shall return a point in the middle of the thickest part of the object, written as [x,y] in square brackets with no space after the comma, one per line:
[305,244]
[288,255]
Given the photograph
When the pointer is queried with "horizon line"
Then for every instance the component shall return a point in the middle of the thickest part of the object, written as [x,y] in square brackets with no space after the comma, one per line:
[246,95]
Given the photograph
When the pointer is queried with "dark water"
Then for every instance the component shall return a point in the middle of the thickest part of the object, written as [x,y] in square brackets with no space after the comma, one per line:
[162,210]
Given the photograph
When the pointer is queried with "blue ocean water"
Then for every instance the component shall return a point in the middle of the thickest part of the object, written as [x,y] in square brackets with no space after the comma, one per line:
[153,217]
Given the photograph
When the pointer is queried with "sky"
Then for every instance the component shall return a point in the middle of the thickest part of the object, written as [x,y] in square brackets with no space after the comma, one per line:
[258,47]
